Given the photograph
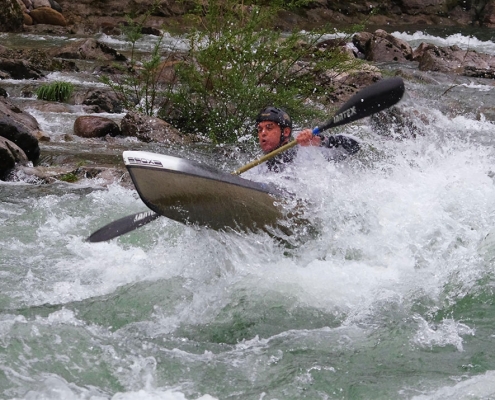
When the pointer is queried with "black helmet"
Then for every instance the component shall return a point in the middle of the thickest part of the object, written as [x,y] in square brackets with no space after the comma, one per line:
[276,115]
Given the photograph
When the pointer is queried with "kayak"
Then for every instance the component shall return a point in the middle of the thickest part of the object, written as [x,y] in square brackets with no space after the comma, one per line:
[193,193]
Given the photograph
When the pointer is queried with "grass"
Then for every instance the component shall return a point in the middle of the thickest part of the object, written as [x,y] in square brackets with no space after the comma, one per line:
[55,91]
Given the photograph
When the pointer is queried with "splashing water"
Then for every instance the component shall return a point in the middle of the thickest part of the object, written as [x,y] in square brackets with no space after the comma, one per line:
[391,298]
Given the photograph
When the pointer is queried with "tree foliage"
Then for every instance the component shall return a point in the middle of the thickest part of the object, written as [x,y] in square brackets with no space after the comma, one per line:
[235,65]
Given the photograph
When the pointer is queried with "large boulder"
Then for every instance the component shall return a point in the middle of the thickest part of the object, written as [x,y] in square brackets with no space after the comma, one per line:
[23,6]
[47,15]
[21,128]
[10,155]
[21,136]
[101,101]
[27,19]
[28,4]
[89,126]
[55,6]
[382,47]
[11,19]
[453,59]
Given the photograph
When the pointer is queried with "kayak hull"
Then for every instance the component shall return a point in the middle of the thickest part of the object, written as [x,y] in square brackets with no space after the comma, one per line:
[192,193]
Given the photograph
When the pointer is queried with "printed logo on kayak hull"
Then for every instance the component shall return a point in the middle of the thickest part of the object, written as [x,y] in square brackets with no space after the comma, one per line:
[144,161]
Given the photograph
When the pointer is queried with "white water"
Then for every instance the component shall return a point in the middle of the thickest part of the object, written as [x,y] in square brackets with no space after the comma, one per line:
[398,224]
[464,42]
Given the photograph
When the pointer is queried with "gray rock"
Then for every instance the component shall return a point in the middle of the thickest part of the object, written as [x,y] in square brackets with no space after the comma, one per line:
[149,129]
[103,101]
[10,155]
[19,127]
[20,69]
[88,49]
[453,59]
[382,47]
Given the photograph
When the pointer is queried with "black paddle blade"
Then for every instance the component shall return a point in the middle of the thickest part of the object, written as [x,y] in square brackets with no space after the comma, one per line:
[122,226]
[368,101]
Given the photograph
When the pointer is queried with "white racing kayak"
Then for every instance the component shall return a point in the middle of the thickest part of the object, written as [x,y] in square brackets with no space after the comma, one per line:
[193,193]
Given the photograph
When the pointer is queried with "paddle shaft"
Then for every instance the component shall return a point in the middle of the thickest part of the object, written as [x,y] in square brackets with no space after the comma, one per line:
[368,101]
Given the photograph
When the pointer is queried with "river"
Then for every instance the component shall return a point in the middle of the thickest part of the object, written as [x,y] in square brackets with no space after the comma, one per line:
[392,299]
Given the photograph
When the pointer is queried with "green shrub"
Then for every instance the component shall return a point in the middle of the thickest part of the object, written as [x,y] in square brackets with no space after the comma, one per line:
[55,91]
[236,65]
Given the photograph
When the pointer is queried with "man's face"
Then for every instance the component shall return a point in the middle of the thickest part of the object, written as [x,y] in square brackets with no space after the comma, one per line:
[269,135]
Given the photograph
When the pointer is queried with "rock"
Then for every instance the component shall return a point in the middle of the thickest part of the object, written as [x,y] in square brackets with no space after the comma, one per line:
[41,3]
[10,155]
[23,6]
[20,69]
[88,49]
[398,124]
[453,59]
[413,7]
[22,117]
[360,40]
[21,136]
[53,107]
[27,19]
[110,28]
[55,6]
[149,30]
[102,101]
[19,127]
[335,45]
[28,4]
[3,92]
[11,19]
[47,15]
[167,71]
[150,129]
[94,126]
[5,51]
[382,47]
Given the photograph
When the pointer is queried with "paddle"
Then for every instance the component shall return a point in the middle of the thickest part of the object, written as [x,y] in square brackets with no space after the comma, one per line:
[122,226]
[370,100]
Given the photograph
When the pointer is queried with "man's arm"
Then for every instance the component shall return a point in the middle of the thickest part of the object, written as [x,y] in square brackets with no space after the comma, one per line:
[306,138]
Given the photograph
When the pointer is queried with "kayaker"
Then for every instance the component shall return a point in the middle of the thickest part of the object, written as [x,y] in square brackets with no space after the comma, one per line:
[274,127]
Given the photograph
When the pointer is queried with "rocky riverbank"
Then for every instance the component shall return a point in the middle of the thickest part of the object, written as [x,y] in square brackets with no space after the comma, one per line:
[89,17]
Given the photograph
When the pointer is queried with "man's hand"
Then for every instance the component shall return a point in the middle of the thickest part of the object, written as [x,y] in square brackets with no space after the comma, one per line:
[306,138]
